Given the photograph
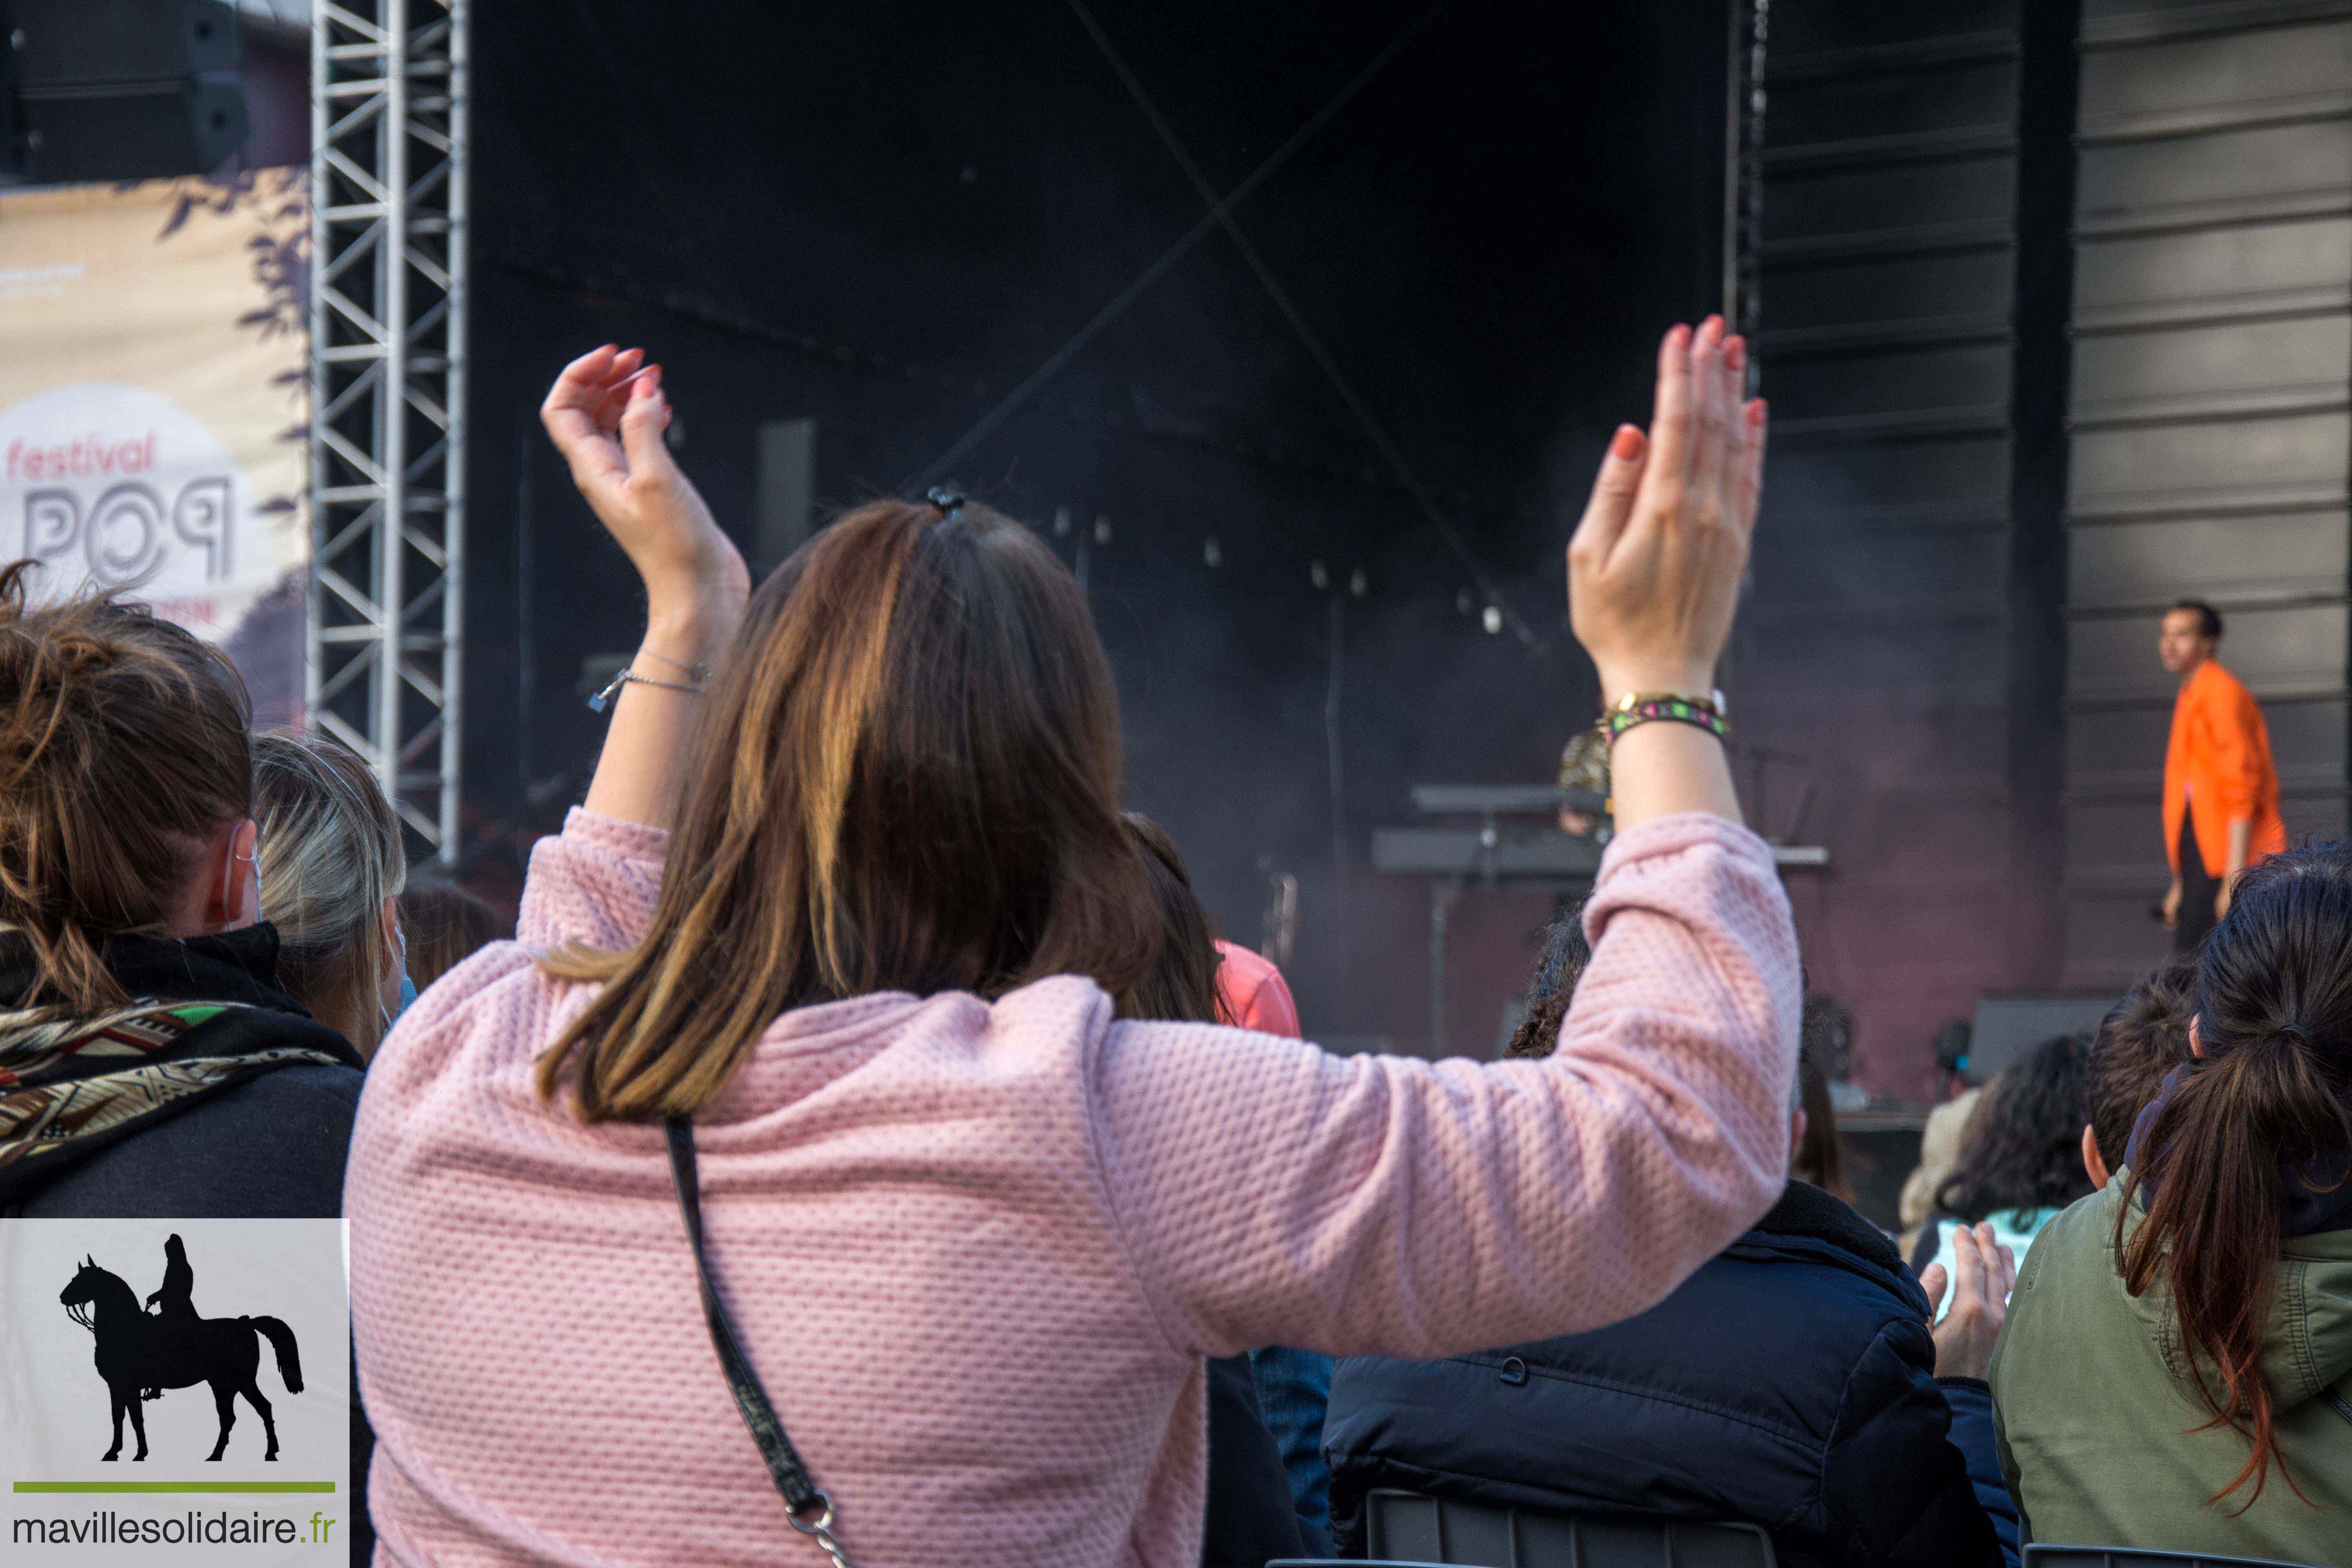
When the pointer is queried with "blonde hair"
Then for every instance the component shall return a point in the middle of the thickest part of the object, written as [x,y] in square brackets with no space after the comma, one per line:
[330,855]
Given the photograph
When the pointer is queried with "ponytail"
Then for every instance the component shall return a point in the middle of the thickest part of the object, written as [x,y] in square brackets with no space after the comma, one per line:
[2268,1098]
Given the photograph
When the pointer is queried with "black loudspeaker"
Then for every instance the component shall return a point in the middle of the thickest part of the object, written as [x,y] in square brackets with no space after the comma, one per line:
[125,89]
[2010,1028]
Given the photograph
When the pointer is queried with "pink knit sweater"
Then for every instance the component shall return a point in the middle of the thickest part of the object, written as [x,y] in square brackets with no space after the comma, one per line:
[977,1250]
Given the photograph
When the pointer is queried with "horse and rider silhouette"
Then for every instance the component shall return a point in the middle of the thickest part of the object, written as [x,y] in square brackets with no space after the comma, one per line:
[140,1354]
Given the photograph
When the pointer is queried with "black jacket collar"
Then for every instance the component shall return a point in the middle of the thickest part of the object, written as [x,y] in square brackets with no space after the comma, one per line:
[238,965]
[1810,1226]
[1806,1210]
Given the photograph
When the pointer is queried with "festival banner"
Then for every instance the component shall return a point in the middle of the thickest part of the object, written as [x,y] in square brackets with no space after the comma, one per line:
[153,404]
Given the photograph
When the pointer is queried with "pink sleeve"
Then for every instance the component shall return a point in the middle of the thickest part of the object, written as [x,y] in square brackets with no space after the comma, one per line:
[1270,1194]
[595,883]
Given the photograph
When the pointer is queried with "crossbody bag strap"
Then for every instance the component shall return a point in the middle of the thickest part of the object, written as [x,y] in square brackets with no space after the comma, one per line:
[809,1511]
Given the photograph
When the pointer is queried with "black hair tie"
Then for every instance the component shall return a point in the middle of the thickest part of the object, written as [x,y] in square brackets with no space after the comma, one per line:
[2294,1033]
[949,500]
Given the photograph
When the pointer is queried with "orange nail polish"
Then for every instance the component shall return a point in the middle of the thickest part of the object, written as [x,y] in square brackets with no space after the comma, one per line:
[1626,443]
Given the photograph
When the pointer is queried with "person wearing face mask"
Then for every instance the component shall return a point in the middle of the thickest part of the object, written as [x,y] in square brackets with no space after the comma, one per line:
[332,870]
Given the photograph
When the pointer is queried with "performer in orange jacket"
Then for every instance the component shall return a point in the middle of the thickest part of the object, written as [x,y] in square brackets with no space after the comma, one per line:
[2221,789]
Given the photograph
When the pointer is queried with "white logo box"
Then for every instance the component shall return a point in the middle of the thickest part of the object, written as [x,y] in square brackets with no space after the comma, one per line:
[65,1504]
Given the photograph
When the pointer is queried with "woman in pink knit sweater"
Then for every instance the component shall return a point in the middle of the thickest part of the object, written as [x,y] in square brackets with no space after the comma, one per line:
[861,905]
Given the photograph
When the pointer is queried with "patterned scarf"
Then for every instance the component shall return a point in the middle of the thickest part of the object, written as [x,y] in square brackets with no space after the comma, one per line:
[207,1016]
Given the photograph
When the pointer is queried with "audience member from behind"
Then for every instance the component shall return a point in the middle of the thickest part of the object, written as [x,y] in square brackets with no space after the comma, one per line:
[2171,1376]
[129,911]
[1940,1144]
[1251,1518]
[1815,1158]
[332,866]
[859,907]
[1251,993]
[1792,1383]
[2021,1157]
[445,924]
[2140,1040]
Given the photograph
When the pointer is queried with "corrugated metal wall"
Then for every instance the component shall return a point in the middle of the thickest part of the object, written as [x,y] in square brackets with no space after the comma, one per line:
[2212,327]
[1904,626]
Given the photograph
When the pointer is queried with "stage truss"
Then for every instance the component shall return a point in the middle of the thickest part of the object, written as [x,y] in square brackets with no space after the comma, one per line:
[1743,168]
[385,664]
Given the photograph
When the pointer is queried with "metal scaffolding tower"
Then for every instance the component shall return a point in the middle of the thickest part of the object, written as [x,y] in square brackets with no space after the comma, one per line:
[385,669]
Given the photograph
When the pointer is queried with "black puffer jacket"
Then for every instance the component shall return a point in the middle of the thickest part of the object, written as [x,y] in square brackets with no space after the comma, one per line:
[1789,1383]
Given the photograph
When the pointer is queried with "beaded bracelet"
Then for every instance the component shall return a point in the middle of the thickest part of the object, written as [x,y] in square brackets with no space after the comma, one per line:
[1671,708]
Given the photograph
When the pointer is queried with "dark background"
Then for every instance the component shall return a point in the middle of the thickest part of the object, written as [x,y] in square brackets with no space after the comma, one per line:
[884,217]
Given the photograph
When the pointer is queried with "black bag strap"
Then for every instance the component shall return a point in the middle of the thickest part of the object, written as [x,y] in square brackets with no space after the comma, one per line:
[809,1511]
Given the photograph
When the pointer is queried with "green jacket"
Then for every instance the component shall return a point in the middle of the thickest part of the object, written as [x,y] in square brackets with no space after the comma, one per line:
[2093,1405]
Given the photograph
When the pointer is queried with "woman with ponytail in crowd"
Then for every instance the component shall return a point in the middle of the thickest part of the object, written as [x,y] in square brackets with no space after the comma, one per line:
[2174,1370]
[151,1065]
[828,962]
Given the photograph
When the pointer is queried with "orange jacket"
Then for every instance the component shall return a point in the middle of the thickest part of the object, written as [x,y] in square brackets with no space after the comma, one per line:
[2219,768]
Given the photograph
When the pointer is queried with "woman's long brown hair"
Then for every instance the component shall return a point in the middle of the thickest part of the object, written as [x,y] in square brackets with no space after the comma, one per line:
[2268,1099]
[1182,986]
[907,780]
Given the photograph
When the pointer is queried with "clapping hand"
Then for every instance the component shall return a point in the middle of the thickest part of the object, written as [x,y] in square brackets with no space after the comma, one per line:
[1984,1273]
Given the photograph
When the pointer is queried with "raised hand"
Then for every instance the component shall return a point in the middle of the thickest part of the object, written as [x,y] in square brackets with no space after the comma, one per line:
[607,414]
[1653,570]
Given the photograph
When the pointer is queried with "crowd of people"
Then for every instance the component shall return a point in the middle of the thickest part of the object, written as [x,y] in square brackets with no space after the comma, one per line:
[865,1145]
